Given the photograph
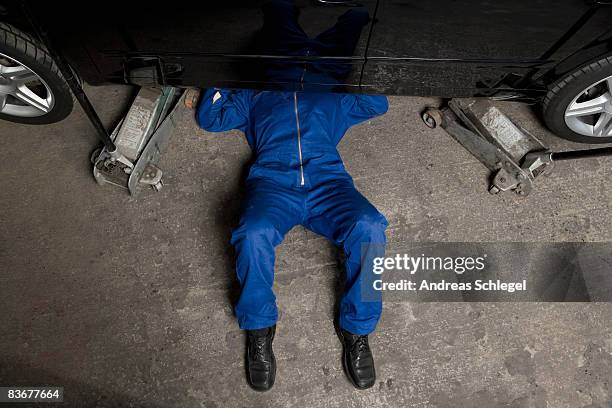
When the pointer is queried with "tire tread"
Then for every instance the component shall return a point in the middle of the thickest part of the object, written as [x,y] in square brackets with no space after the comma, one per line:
[26,44]
[556,87]
[553,105]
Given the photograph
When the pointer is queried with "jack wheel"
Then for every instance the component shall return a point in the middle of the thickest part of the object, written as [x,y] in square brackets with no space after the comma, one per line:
[94,155]
[158,186]
[432,118]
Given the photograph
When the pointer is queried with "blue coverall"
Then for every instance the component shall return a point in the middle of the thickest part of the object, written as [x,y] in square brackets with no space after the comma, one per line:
[298,178]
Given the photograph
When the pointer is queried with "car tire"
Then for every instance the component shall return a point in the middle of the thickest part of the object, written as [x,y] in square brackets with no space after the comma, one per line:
[565,108]
[20,50]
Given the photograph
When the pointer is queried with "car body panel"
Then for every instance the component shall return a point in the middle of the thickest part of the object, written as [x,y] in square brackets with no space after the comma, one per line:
[450,48]
[469,47]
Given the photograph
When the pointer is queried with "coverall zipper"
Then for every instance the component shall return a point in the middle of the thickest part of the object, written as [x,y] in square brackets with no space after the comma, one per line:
[299,137]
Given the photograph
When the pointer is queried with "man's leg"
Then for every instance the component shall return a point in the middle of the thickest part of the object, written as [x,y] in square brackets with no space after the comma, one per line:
[269,212]
[339,212]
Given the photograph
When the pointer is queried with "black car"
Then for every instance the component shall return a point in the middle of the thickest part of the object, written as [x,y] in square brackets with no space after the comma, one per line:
[557,53]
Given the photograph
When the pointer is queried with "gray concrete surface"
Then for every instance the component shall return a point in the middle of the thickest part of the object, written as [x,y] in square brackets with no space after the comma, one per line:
[127,302]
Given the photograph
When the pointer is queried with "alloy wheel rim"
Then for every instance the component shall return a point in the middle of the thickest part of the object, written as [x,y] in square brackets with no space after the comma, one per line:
[590,112]
[23,93]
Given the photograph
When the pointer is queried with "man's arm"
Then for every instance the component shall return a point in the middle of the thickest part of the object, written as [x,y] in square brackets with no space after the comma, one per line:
[223,109]
[355,109]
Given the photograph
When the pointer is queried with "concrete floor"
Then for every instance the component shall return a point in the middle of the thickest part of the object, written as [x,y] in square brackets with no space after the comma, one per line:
[127,302]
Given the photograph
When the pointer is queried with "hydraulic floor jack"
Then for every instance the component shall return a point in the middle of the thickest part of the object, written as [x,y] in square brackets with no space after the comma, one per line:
[515,157]
[141,137]
[130,153]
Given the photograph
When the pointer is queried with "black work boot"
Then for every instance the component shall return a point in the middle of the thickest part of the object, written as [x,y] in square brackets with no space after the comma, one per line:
[357,360]
[261,364]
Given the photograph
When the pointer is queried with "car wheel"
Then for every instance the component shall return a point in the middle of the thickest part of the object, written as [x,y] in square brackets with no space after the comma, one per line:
[579,106]
[32,90]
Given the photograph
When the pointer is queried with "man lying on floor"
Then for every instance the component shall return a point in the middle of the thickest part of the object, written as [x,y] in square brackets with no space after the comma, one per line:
[298,178]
